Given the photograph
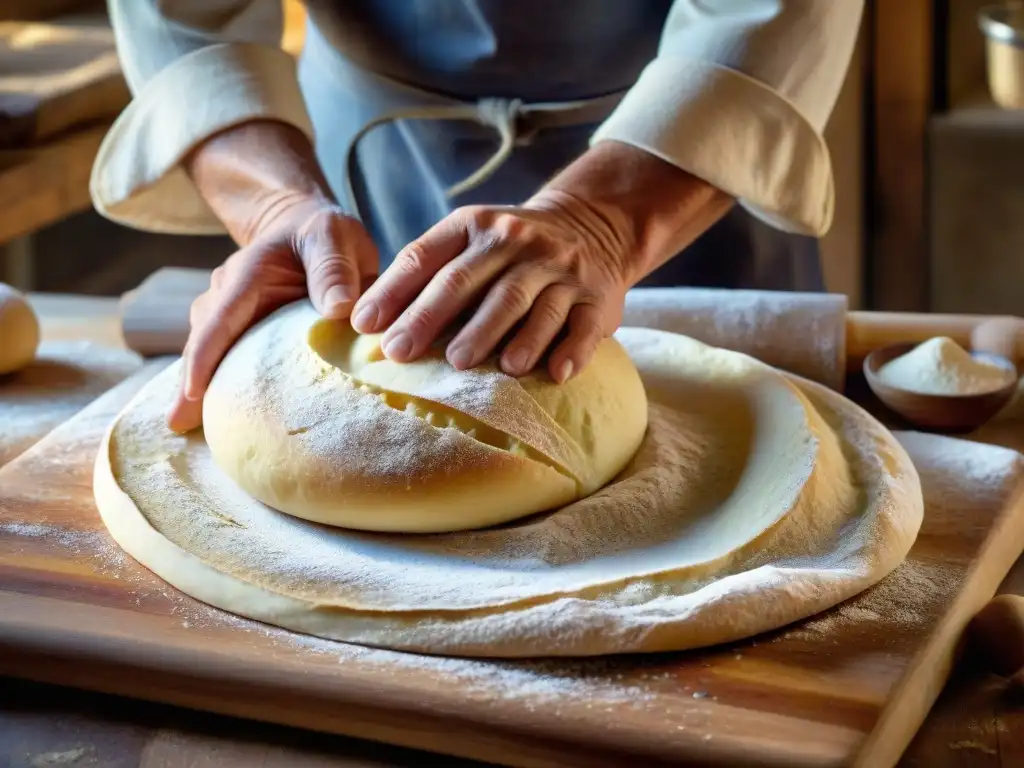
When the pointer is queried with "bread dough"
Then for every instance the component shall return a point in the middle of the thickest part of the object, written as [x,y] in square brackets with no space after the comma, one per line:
[310,418]
[19,329]
[756,499]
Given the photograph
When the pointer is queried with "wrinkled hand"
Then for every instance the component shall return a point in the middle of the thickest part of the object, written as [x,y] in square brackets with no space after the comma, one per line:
[552,273]
[305,245]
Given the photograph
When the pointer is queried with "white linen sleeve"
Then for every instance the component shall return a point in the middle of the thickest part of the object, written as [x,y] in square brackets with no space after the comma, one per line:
[739,95]
[194,67]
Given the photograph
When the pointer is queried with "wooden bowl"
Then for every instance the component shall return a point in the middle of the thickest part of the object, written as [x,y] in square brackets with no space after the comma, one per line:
[942,413]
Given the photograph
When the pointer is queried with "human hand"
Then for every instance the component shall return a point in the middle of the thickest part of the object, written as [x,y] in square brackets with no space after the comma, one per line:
[304,244]
[552,273]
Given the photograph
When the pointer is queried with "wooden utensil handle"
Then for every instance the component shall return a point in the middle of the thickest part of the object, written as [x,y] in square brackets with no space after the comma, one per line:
[868,331]
[997,634]
[155,316]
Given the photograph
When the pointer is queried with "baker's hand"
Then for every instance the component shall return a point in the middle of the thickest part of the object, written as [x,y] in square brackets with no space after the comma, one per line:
[302,245]
[552,272]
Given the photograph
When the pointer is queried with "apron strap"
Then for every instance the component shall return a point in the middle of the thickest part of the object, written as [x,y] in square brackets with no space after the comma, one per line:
[515,122]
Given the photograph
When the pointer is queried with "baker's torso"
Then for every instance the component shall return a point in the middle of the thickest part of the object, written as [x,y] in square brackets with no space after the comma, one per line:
[367,58]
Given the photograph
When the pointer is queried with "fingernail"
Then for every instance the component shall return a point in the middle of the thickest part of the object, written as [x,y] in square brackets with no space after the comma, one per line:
[336,296]
[564,371]
[461,358]
[365,320]
[399,347]
[517,360]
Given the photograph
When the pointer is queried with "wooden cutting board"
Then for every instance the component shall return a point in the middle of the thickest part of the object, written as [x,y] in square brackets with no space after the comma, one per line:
[849,687]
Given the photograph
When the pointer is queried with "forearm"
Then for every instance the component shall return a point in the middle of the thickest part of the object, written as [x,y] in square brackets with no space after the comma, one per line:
[249,173]
[739,95]
[650,208]
[194,73]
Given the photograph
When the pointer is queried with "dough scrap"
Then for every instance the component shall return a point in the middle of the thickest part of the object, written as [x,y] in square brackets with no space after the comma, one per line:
[310,418]
[19,329]
[756,499]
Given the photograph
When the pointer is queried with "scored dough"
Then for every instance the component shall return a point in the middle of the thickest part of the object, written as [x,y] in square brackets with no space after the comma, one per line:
[19,329]
[310,418]
[756,499]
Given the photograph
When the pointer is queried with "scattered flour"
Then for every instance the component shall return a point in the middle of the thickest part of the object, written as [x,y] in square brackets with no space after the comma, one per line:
[65,377]
[909,599]
[940,366]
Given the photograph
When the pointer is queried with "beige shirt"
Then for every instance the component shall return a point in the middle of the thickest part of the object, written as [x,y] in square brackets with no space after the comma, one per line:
[738,94]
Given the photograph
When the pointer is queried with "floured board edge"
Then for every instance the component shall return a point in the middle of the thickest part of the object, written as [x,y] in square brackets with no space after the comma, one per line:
[848,687]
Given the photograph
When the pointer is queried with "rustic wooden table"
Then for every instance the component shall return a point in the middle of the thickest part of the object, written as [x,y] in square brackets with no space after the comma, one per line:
[977,722]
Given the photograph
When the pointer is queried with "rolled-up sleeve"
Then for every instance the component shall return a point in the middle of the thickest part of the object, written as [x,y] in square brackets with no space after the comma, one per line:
[739,95]
[195,68]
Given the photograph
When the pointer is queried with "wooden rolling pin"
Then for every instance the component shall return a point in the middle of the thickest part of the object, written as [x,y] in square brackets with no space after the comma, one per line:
[813,335]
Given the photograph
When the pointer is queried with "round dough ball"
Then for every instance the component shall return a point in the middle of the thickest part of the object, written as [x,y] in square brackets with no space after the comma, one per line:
[19,329]
[310,418]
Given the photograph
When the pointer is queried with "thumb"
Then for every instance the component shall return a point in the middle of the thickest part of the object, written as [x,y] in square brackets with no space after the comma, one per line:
[339,258]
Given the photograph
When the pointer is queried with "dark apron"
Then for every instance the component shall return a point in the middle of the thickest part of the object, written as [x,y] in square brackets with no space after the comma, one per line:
[409,99]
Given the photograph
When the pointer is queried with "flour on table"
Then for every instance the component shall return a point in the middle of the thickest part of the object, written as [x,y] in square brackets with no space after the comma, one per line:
[940,366]
[64,378]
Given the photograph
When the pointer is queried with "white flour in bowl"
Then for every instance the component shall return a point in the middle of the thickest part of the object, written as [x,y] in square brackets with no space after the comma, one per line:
[940,366]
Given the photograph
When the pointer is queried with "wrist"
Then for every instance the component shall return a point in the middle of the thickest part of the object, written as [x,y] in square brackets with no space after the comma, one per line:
[652,208]
[253,172]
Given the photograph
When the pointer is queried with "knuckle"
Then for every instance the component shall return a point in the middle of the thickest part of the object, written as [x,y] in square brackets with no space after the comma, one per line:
[420,321]
[412,259]
[571,260]
[549,313]
[328,265]
[511,226]
[319,222]
[457,280]
[382,294]
[489,242]
[513,296]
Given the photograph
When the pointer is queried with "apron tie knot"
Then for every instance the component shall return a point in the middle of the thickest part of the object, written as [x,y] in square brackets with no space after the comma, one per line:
[503,116]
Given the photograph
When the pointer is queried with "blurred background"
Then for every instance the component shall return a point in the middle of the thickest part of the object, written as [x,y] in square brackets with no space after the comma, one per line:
[927,142]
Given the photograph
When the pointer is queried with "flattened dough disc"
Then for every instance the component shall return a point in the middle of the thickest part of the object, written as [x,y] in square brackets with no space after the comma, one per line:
[756,499]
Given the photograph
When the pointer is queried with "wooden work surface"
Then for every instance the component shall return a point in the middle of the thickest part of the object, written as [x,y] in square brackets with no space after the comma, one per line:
[99,621]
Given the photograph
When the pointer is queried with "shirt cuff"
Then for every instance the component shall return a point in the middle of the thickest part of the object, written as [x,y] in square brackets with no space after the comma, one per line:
[137,178]
[733,132]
